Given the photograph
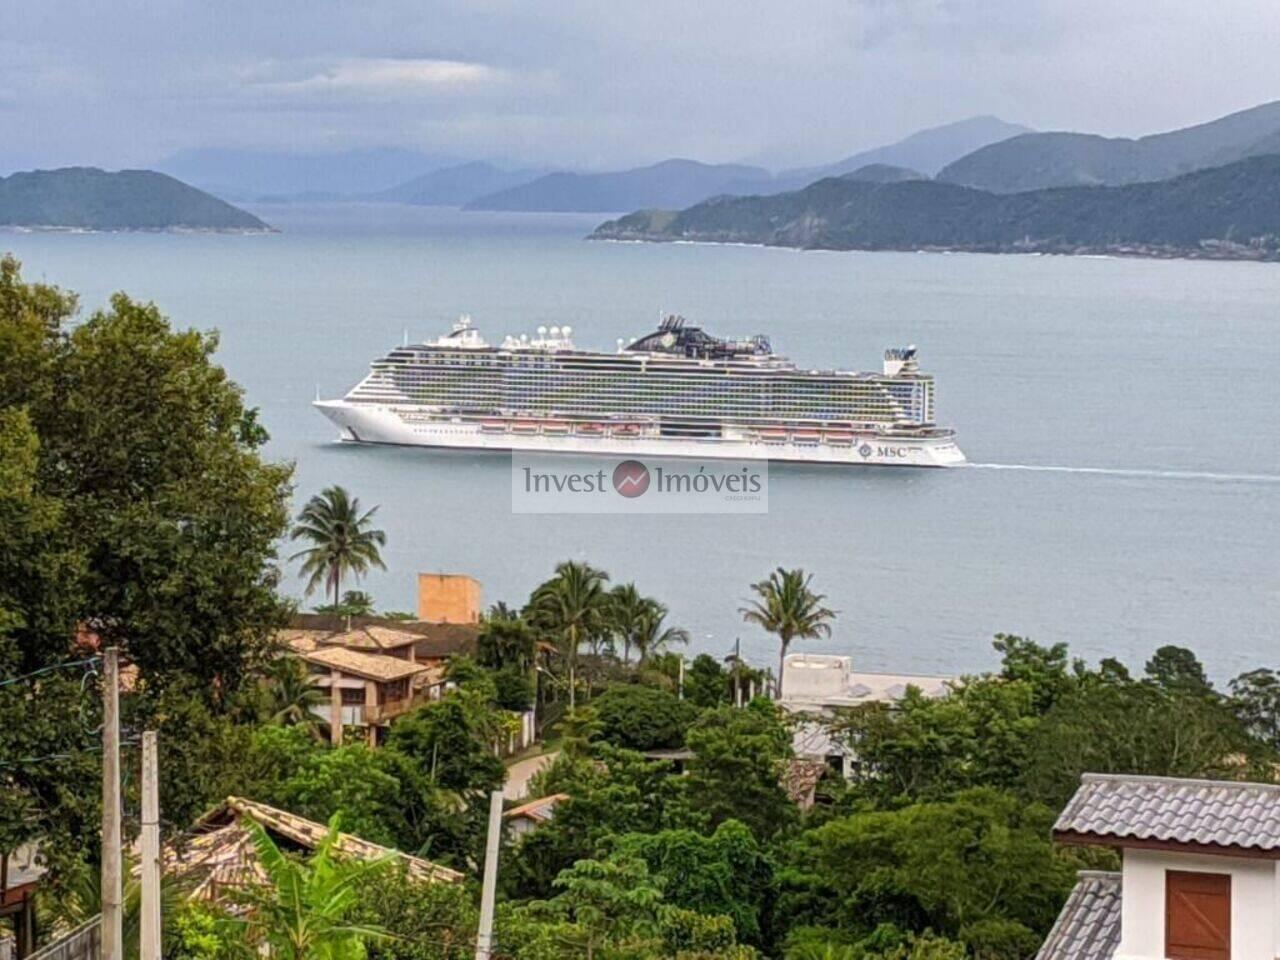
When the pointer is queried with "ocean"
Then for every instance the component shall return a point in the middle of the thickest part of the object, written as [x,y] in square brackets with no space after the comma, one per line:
[1120,415]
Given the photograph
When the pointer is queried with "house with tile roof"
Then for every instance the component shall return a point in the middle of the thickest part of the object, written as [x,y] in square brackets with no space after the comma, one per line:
[527,817]
[374,668]
[218,857]
[1200,874]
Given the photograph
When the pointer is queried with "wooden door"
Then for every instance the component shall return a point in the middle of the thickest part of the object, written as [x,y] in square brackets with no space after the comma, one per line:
[1197,914]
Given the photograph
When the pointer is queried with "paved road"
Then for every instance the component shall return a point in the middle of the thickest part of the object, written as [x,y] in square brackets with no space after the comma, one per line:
[520,772]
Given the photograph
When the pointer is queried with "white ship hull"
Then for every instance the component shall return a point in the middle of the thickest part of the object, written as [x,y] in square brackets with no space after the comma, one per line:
[372,423]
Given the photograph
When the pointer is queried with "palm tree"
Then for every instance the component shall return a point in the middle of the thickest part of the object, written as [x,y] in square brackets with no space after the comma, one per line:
[626,608]
[650,636]
[302,911]
[342,541]
[571,606]
[787,607]
[291,696]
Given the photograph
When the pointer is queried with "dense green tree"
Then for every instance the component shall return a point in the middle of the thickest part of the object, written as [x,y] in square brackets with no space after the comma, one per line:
[1178,669]
[642,718]
[424,921]
[343,540]
[627,606]
[724,873]
[944,866]
[1112,726]
[928,748]
[1255,699]
[1044,669]
[787,607]
[706,683]
[571,608]
[737,765]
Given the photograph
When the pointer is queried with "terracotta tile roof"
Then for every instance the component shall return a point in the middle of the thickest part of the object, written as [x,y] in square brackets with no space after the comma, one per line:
[371,666]
[539,811]
[431,641]
[1088,928]
[220,854]
[1196,812]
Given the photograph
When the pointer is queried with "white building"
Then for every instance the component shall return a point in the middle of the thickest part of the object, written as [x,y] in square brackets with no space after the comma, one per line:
[817,686]
[1200,875]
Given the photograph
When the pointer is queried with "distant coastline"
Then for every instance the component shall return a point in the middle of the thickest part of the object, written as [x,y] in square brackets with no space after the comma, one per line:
[1221,213]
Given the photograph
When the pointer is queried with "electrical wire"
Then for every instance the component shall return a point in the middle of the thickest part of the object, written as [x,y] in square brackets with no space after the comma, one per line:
[43,670]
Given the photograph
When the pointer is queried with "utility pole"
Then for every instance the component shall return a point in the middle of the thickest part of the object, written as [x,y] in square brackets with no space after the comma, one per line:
[112,907]
[737,665]
[484,939]
[150,848]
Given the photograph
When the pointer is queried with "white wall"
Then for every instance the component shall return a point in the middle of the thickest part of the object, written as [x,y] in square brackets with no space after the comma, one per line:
[1255,903]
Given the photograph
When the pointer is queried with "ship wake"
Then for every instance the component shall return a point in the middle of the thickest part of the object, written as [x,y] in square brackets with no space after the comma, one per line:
[1191,475]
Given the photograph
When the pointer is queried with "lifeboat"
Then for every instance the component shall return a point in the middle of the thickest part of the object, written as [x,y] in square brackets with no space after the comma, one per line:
[769,435]
[590,429]
[626,430]
[806,436]
[838,438]
[557,428]
[525,427]
[493,426]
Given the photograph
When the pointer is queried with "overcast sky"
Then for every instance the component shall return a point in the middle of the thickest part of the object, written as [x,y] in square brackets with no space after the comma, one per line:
[601,83]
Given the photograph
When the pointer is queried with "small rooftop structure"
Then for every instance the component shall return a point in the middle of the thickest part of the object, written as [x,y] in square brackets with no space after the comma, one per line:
[1173,813]
[1200,871]
[220,855]
[529,816]
[830,681]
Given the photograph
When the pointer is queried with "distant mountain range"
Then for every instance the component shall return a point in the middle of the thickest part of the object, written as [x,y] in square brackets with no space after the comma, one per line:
[1232,211]
[678,183]
[87,198]
[1033,161]
[456,186]
[927,151]
[246,175]
[670,183]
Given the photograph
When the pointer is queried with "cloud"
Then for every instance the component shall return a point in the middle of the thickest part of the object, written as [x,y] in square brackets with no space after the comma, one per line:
[381,78]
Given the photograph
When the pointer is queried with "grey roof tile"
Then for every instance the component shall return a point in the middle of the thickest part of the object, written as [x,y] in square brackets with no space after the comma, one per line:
[1088,928]
[1205,812]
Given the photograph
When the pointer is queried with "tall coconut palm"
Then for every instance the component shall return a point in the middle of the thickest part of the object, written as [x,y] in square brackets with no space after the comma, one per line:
[786,606]
[651,637]
[571,607]
[303,910]
[626,610]
[343,540]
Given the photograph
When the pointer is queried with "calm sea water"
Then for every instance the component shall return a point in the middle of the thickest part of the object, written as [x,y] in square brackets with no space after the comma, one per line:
[1122,416]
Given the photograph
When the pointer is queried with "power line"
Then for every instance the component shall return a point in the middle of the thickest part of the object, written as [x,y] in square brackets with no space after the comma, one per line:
[44,670]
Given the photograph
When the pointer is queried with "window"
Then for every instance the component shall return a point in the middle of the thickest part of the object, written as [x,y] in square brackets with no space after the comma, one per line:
[353,696]
[1197,916]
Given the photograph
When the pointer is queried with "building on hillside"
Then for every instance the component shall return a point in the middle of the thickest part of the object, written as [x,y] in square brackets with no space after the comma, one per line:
[448,598]
[529,816]
[369,690]
[816,685]
[219,857]
[1199,877]
[374,669]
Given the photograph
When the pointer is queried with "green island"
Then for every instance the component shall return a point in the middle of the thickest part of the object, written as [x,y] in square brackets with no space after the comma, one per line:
[86,198]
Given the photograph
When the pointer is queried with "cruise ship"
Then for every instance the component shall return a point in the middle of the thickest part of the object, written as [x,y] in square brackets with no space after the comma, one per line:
[677,392]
